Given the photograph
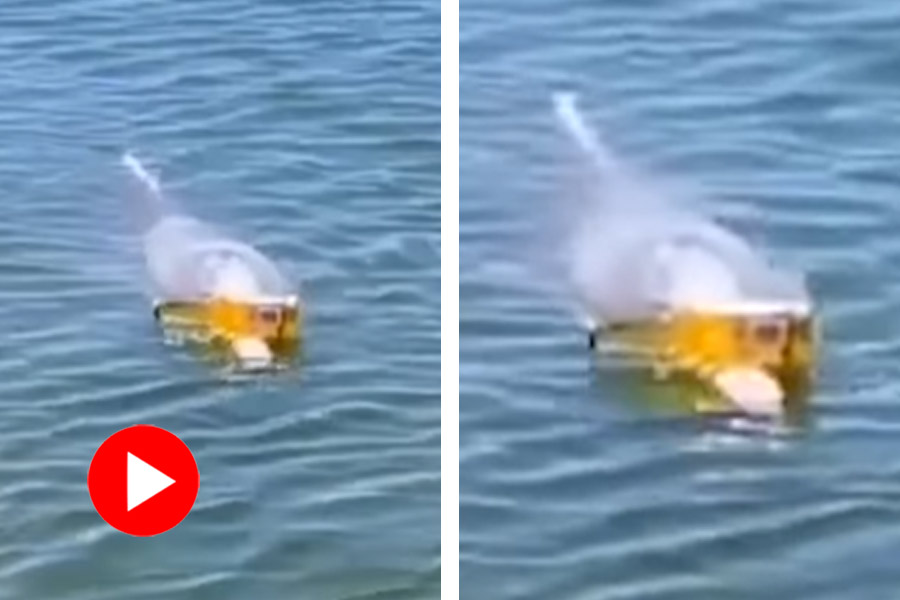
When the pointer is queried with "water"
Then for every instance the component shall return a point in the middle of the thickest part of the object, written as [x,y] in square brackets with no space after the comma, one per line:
[573,485]
[310,129]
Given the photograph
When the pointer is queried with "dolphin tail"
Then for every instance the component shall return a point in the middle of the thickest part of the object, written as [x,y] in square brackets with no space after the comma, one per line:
[148,204]
[566,107]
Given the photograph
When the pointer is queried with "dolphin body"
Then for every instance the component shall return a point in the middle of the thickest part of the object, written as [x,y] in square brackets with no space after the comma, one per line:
[636,256]
[189,261]
[637,253]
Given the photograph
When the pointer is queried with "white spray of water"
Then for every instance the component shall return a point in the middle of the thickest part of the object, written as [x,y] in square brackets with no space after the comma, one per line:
[190,260]
[634,251]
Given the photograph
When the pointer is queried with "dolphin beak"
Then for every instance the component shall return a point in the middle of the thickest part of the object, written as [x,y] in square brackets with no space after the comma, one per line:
[754,391]
[252,353]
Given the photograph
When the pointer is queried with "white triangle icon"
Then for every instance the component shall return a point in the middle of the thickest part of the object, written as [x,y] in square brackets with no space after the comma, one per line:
[144,481]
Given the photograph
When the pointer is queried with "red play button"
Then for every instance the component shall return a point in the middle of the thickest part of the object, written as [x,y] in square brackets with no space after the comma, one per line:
[143,480]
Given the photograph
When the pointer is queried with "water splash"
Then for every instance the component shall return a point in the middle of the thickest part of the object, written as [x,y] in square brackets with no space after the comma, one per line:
[634,248]
[190,260]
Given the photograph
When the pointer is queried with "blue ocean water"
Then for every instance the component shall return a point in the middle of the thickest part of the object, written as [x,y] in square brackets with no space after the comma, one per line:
[787,114]
[308,128]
